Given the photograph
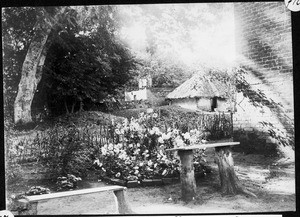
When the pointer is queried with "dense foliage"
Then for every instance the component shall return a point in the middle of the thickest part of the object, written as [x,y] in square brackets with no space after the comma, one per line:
[85,69]
[85,61]
[140,150]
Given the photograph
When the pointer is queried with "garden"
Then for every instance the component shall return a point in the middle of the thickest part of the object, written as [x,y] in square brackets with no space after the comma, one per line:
[128,152]
[88,105]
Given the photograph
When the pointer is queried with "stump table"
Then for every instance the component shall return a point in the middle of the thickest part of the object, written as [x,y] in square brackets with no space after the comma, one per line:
[229,184]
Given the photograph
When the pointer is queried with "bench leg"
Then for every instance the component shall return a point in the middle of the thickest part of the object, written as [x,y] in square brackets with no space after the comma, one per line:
[230,183]
[187,176]
[123,206]
[30,210]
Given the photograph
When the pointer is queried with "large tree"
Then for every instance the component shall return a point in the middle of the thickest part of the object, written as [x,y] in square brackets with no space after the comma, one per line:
[49,25]
[87,67]
[32,66]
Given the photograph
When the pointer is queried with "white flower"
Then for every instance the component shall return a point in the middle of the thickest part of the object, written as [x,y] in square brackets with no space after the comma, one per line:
[136,172]
[117,131]
[118,174]
[104,151]
[150,163]
[156,130]
[117,151]
[130,145]
[149,169]
[179,142]
[138,144]
[141,164]
[97,162]
[166,136]
[151,132]
[160,140]
[149,110]
[186,135]
[110,147]
[176,132]
[155,115]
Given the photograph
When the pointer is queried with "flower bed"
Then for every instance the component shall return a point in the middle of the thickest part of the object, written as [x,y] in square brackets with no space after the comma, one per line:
[138,154]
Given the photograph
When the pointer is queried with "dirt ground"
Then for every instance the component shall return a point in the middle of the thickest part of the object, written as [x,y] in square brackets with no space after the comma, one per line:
[271,180]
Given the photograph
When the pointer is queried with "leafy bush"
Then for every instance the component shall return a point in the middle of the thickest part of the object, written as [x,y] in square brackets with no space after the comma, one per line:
[140,150]
[13,172]
[68,151]
[37,190]
[67,183]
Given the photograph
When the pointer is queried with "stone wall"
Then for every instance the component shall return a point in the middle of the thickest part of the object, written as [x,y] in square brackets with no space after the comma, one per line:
[264,49]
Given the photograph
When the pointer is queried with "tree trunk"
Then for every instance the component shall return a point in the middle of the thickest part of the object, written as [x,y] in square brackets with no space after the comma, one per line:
[230,184]
[31,76]
[81,106]
[73,107]
[187,177]
[66,107]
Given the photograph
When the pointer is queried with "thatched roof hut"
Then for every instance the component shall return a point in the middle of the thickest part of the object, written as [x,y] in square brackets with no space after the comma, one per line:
[204,86]
[207,92]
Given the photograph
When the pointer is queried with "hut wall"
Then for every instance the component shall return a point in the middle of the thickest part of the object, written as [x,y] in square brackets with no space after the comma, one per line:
[188,103]
[224,105]
[204,104]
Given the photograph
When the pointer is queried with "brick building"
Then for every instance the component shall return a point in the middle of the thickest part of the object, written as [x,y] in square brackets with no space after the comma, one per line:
[264,48]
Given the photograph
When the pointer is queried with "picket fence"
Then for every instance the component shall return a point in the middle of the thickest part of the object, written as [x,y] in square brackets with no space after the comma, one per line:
[35,146]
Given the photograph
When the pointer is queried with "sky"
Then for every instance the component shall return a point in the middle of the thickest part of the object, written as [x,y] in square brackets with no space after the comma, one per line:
[192,34]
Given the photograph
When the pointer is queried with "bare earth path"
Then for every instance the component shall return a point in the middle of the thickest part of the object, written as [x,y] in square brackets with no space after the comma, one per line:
[273,184]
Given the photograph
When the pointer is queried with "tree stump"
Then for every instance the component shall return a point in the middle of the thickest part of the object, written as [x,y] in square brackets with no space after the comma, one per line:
[188,183]
[230,184]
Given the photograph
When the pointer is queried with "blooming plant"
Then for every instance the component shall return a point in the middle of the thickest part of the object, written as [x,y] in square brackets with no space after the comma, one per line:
[68,182]
[37,190]
[139,151]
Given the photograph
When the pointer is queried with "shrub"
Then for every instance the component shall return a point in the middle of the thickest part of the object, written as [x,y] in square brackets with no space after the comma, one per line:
[68,182]
[37,190]
[68,151]
[140,150]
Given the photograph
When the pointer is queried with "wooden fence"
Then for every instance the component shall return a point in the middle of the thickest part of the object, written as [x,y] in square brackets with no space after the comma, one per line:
[36,145]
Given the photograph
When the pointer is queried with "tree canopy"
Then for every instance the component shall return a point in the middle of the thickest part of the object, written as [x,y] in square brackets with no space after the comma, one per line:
[93,52]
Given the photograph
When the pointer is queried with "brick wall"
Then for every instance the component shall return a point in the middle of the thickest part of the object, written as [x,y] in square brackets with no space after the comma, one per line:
[264,48]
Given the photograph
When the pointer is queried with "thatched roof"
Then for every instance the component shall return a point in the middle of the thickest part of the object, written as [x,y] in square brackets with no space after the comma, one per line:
[204,86]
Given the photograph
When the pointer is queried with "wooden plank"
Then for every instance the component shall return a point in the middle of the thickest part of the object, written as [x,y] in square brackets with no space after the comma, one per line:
[74,193]
[202,146]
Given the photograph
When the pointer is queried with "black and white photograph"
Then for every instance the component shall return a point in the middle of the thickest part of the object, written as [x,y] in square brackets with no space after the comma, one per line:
[157,108]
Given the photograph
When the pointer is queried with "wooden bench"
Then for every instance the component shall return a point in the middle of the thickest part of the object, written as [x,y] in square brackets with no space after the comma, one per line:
[31,202]
[229,181]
